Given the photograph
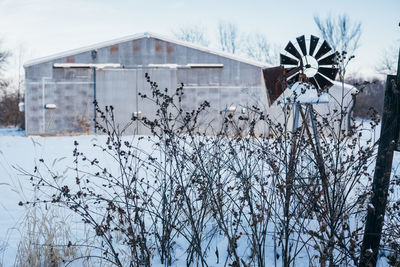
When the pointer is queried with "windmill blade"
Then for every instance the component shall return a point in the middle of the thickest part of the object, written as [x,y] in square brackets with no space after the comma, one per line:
[328,72]
[302,43]
[285,60]
[329,60]
[325,48]
[295,70]
[323,82]
[313,44]
[294,78]
[292,50]
[289,69]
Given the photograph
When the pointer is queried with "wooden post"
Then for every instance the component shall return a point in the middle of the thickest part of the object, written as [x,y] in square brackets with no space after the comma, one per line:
[383,169]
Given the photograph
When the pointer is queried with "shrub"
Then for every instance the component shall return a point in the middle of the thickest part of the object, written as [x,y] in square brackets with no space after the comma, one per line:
[230,194]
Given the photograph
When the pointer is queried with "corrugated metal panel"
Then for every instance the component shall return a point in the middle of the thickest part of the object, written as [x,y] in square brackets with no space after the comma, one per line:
[117,88]
[121,87]
[71,90]
[215,75]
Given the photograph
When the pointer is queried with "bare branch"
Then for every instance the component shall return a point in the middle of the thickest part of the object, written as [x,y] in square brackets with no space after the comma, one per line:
[257,47]
[340,32]
[228,37]
[192,34]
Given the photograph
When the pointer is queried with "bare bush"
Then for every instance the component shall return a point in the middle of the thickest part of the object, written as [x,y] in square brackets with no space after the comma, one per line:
[391,229]
[224,198]
[45,239]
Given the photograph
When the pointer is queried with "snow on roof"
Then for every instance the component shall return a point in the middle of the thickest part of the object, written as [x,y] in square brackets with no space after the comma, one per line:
[349,88]
[84,65]
[186,66]
[139,36]
[304,93]
[200,65]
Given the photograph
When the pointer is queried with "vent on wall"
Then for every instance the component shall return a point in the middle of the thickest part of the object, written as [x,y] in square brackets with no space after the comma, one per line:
[229,109]
[50,106]
[136,115]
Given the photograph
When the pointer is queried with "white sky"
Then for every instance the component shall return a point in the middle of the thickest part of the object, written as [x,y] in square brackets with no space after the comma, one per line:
[45,27]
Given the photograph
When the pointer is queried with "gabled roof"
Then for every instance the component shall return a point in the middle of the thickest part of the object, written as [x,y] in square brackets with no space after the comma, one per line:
[140,36]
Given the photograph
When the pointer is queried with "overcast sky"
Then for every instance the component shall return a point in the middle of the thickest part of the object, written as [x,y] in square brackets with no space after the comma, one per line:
[45,27]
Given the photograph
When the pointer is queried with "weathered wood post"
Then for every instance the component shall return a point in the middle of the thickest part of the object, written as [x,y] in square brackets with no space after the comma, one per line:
[380,185]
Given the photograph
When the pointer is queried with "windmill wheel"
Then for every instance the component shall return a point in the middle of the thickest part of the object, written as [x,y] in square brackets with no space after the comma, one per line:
[319,68]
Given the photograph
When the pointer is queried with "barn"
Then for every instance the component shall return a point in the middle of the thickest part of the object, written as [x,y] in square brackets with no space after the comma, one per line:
[60,89]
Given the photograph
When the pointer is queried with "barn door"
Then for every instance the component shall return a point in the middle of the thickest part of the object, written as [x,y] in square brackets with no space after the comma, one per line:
[121,87]
[117,88]
[67,102]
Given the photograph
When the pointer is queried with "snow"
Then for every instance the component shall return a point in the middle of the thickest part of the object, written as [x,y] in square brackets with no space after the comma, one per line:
[170,66]
[304,93]
[11,132]
[116,65]
[206,65]
[187,66]
[20,152]
[83,65]
[371,206]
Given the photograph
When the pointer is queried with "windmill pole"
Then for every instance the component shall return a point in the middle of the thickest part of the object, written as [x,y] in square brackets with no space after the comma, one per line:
[383,168]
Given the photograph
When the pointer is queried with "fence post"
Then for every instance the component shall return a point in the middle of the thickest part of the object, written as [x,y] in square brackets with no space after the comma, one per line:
[383,168]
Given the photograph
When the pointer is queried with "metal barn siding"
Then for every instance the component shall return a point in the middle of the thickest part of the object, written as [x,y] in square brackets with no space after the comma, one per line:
[67,80]
[71,90]
[121,87]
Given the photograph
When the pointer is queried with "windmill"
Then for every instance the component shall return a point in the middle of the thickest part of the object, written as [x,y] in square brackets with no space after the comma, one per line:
[314,67]
[308,74]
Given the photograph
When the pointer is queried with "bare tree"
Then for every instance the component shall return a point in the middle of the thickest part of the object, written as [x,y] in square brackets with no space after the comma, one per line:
[367,104]
[257,47]
[228,37]
[8,100]
[4,55]
[10,115]
[387,63]
[341,33]
[192,34]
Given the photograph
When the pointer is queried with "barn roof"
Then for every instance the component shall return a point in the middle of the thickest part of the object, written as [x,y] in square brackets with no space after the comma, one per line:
[140,36]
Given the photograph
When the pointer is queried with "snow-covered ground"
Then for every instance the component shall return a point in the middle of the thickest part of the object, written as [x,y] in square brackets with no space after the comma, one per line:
[20,152]
[11,132]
